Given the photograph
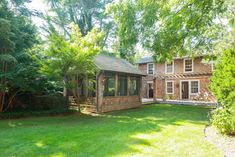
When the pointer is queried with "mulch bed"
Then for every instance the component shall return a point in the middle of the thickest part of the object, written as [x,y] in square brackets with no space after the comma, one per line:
[225,143]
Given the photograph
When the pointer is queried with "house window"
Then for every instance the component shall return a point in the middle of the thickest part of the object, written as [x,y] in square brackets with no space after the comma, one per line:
[122,85]
[188,65]
[134,86]
[150,68]
[109,85]
[194,87]
[169,66]
[169,87]
[213,66]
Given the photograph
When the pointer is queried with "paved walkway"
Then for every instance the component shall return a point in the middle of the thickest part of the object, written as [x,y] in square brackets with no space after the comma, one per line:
[179,102]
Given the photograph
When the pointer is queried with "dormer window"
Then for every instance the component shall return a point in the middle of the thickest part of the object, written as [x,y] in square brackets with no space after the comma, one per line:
[169,67]
[188,65]
[150,68]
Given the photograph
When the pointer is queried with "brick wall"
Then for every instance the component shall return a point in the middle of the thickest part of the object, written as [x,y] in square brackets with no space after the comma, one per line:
[198,66]
[205,93]
[120,102]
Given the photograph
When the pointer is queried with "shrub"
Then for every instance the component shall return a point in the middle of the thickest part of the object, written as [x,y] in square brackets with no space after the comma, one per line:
[224,120]
[29,102]
[49,102]
[223,87]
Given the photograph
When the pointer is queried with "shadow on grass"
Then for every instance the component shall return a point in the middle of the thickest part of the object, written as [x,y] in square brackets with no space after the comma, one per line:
[83,135]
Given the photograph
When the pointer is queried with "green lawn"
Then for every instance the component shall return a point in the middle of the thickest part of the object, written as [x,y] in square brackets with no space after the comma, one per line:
[153,130]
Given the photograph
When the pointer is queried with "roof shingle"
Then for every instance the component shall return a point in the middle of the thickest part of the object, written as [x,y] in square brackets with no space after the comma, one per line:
[109,63]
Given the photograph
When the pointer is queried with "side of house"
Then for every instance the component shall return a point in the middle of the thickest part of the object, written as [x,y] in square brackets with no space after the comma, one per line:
[181,79]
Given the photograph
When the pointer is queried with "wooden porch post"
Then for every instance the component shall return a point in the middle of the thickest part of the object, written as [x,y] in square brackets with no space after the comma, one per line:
[154,90]
[99,91]
[128,85]
[140,89]
[163,90]
[116,84]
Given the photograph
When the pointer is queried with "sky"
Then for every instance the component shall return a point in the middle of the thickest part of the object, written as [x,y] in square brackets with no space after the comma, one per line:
[39,5]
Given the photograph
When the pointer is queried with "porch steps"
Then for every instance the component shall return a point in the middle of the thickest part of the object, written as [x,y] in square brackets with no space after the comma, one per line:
[72,104]
[88,108]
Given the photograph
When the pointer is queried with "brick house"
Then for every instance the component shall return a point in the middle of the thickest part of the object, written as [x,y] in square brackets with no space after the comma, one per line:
[181,79]
[117,86]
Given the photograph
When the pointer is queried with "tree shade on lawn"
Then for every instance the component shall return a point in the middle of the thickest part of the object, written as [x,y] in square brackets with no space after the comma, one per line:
[154,130]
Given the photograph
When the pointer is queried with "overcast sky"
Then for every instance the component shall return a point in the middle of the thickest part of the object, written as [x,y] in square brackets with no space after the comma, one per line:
[39,5]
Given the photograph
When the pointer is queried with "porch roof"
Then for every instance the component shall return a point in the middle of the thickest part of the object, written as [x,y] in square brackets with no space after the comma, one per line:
[109,63]
[183,75]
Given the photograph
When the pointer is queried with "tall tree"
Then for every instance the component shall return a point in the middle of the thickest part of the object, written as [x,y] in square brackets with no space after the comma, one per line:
[18,35]
[71,59]
[166,28]
[85,13]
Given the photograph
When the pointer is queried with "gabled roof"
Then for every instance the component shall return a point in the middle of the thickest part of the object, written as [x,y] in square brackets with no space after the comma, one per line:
[109,63]
[150,59]
[145,60]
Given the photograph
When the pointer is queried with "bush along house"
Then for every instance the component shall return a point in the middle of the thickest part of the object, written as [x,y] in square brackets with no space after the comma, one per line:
[117,86]
[181,79]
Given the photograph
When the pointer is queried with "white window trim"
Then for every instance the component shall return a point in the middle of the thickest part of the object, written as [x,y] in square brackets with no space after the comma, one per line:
[148,68]
[173,68]
[191,87]
[173,84]
[213,66]
[192,65]
[189,83]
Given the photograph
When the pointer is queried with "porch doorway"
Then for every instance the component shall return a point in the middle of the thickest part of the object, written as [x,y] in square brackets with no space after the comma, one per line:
[184,89]
[150,90]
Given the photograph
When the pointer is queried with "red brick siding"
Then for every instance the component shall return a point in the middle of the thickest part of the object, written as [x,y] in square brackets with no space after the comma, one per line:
[203,85]
[119,103]
[198,66]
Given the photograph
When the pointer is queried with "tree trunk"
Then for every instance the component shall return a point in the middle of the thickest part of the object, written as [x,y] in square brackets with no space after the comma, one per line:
[2,100]
[75,90]
[3,92]
[12,97]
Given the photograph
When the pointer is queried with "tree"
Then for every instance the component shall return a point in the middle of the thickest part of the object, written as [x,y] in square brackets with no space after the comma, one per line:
[87,14]
[223,80]
[71,59]
[17,69]
[166,28]
[223,86]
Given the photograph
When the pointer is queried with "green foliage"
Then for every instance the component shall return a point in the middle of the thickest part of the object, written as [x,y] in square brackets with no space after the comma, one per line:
[48,102]
[224,120]
[73,56]
[85,13]
[169,28]
[22,114]
[223,86]
[19,70]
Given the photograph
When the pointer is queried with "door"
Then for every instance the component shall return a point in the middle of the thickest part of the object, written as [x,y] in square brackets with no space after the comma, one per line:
[185,90]
[150,90]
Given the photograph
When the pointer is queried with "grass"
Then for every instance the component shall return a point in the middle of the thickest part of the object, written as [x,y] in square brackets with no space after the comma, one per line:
[153,130]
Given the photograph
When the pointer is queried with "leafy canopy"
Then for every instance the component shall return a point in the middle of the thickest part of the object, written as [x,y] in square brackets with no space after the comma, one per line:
[166,28]
[67,57]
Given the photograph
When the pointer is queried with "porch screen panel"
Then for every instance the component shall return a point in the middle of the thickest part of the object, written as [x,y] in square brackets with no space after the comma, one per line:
[122,85]
[134,86]
[109,85]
